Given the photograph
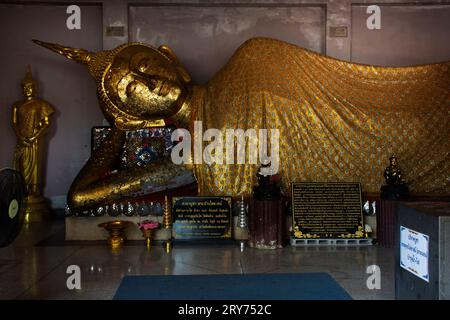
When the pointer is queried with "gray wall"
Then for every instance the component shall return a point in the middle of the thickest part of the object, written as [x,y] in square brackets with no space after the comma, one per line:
[212,34]
[66,85]
[415,34]
[203,35]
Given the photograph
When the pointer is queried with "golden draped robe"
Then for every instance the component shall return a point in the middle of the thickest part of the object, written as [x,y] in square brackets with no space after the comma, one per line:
[30,117]
[338,121]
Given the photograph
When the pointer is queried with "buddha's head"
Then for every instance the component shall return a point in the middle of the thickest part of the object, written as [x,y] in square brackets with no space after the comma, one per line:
[137,85]
[393,161]
[29,85]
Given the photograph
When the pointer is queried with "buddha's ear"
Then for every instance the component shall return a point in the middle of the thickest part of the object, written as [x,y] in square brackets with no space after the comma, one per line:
[172,56]
[168,52]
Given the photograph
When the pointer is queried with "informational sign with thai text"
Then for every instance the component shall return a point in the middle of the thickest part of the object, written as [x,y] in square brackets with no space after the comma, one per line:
[202,217]
[414,252]
[327,210]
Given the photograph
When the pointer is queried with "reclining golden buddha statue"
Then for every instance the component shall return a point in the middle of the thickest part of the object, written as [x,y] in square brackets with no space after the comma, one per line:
[338,121]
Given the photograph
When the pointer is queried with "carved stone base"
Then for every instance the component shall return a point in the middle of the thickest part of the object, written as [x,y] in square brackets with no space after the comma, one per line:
[37,208]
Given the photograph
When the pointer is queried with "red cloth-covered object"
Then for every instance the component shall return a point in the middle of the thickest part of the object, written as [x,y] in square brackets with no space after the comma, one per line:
[266,224]
[386,220]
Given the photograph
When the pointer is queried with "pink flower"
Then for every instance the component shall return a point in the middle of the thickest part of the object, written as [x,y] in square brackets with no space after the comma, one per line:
[148,224]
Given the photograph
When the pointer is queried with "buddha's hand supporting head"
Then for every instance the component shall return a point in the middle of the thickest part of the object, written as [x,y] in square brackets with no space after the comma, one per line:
[137,85]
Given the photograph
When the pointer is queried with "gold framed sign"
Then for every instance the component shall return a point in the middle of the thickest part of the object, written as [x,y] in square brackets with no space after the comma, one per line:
[327,210]
[201,217]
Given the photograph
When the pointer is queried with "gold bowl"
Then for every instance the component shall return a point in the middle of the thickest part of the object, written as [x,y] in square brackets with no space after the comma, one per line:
[116,231]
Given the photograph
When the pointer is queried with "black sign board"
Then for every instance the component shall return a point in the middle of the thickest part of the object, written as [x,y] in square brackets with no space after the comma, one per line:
[202,217]
[327,210]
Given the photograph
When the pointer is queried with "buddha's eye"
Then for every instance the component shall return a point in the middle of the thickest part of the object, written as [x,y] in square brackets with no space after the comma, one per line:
[132,87]
[144,66]
[138,87]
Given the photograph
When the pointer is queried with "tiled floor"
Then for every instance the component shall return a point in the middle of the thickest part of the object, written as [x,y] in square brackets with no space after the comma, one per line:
[28,271]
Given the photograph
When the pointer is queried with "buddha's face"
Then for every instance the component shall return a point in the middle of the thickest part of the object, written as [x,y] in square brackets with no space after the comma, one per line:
[394,162]
[144,83]
[29,90]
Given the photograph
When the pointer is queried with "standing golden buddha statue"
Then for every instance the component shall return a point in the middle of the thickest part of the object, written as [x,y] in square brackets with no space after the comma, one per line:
[30,119]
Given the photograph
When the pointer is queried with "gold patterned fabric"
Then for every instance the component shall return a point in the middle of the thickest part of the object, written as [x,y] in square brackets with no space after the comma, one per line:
[338,121]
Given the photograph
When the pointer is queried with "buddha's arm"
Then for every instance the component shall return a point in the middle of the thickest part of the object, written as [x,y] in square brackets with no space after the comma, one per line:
[42,127]
[103,161]
[123,184]
[44,123]
[16,128]
[100,181]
